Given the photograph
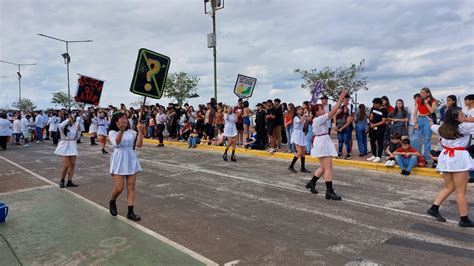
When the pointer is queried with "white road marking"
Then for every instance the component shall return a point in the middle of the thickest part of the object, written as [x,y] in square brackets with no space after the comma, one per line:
[198,169]
[232,263]
[163,239]
[25,190]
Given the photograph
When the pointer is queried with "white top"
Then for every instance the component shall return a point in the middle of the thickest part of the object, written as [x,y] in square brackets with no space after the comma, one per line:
[72,133]
[16,126]
[5,127]
[468,112]
[124,160]
[321,124]
[80,121]
[297,135]
[39,121]
[53,123]
[161,119]
[230,130]
[25,124]
[67,145]
[458,160]
[322,143]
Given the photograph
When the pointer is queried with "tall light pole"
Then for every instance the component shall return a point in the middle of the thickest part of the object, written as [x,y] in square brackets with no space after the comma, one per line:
[67,60]
[211,38]
[19,78]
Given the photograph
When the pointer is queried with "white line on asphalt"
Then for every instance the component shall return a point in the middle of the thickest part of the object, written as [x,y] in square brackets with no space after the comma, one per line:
[25,190]
[194,168]
[164,239]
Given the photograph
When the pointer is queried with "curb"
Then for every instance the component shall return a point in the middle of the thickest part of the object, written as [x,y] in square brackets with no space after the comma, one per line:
[430,172]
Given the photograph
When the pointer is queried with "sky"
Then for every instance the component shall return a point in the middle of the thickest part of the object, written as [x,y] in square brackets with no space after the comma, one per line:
[407,45]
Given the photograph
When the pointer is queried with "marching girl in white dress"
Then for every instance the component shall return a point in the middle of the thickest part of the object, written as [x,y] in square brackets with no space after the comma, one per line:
[93,128]
[80,121]
[230,132]
[124,163]
[323,147]
[53,127]
[67,148]
[454,162]
[102,125]
[299,139]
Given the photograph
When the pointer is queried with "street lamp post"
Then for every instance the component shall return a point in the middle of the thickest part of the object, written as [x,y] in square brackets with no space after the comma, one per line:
[67,60]
[215,5]
[19,78]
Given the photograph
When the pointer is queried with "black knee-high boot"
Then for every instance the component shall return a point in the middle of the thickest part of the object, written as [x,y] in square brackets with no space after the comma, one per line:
[131,215]
[292,165]
[303,168]
[232,157]
[311,185]
[93,141]
[330,194]
[224,156]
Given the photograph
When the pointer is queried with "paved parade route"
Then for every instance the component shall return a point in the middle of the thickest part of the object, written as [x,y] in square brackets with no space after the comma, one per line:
[251,212]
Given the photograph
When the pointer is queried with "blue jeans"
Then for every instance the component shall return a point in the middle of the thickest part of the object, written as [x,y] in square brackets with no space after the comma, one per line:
[17,137]
[151,132]
[193,141]
[422,135]
[309,137]
[406,163]
[289,130]
[361,136]
[343,138]
[39,133]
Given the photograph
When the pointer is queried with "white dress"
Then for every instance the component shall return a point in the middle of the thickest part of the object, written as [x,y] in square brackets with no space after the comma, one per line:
[124,160]
[457,160]
[297,136]
[230,130]
[67,145]
[93,126]
[322,143]
[103,124]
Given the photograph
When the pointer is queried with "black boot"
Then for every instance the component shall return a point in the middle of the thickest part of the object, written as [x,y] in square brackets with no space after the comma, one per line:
[224,156]
[71,184]
[104,151]
[330,194]
[465,222]
[292,165]
[61,183]
[232,157]
[434,211]
[93,141]
[311,185]
[303,168]
[113,208]
[131,215]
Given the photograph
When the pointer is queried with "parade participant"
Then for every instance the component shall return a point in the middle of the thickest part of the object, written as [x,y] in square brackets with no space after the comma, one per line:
[67,149]
[124,163]
[39,123]
[299,139]
[454,162]
[323,147]
[230,132]
[25,129]
[103,123]
[93,128]
[17,129]
[161,120]
[80,121]
[5,130]
[53,127]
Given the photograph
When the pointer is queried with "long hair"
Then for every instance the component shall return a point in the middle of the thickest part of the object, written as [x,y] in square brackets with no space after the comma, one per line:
[430,97]
[404,112]
[66,128]
[362,114]
[454,99]
[449,129]
[315,108]
[343,114]
[115,118]
[291,110]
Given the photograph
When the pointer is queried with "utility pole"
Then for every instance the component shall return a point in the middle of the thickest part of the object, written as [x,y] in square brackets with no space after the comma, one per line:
[19,78]
[211,38]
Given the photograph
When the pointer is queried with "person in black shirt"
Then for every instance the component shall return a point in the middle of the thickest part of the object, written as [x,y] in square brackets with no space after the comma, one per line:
[278,123]
[377,119]
[270,121]
[260,126]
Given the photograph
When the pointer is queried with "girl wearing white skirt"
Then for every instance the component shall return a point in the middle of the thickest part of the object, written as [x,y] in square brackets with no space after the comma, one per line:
[103,124]
[230,132]
[93,128]
[67,148]
[323,147]
[454,162]
[299,139]
[124,163]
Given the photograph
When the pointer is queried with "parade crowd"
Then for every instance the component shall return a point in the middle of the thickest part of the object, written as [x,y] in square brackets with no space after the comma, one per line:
[396,134]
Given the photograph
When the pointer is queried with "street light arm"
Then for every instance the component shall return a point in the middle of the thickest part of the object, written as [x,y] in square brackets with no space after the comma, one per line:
[81,41]
[54,38]
[9,63]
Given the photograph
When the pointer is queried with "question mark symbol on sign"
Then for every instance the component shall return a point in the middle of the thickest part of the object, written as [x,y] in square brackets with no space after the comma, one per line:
[153,71]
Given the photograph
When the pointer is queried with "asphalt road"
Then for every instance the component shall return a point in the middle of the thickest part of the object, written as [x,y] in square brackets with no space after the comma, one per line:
[255,212]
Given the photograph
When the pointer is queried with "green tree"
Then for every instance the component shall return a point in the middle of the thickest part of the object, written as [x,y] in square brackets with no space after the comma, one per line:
[336,80]
[180,86]
[26,104]
[61,98]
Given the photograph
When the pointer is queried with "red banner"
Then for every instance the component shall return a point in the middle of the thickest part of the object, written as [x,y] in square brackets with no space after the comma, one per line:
[89,90]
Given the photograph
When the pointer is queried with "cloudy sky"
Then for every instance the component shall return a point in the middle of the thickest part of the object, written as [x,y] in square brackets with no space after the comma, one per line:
[407,44]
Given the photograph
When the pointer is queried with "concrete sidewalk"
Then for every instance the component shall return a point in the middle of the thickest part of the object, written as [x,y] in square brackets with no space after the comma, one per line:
[48,226]
[355,162]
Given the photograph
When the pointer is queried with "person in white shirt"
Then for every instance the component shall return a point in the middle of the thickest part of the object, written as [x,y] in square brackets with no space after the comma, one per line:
[103,124]
[161,120]
[45,130]
[80,122]
[67,149]
[5,130]
[39,123]
[17,129]
[25,128]
[53,127]
[468,111]
[93,126]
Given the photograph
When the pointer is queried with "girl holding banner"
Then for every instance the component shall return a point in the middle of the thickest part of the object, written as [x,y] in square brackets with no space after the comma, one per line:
[124,163]
[67,149]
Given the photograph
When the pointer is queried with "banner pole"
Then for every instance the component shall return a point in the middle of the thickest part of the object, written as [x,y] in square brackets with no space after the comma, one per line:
[139,121]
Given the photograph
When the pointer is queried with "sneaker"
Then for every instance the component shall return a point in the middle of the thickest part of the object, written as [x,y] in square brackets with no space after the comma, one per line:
[377,160]
[392,163]
[348,156]
[387,163]
[26,145]
[436,215]
[339,156]
[371,158]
